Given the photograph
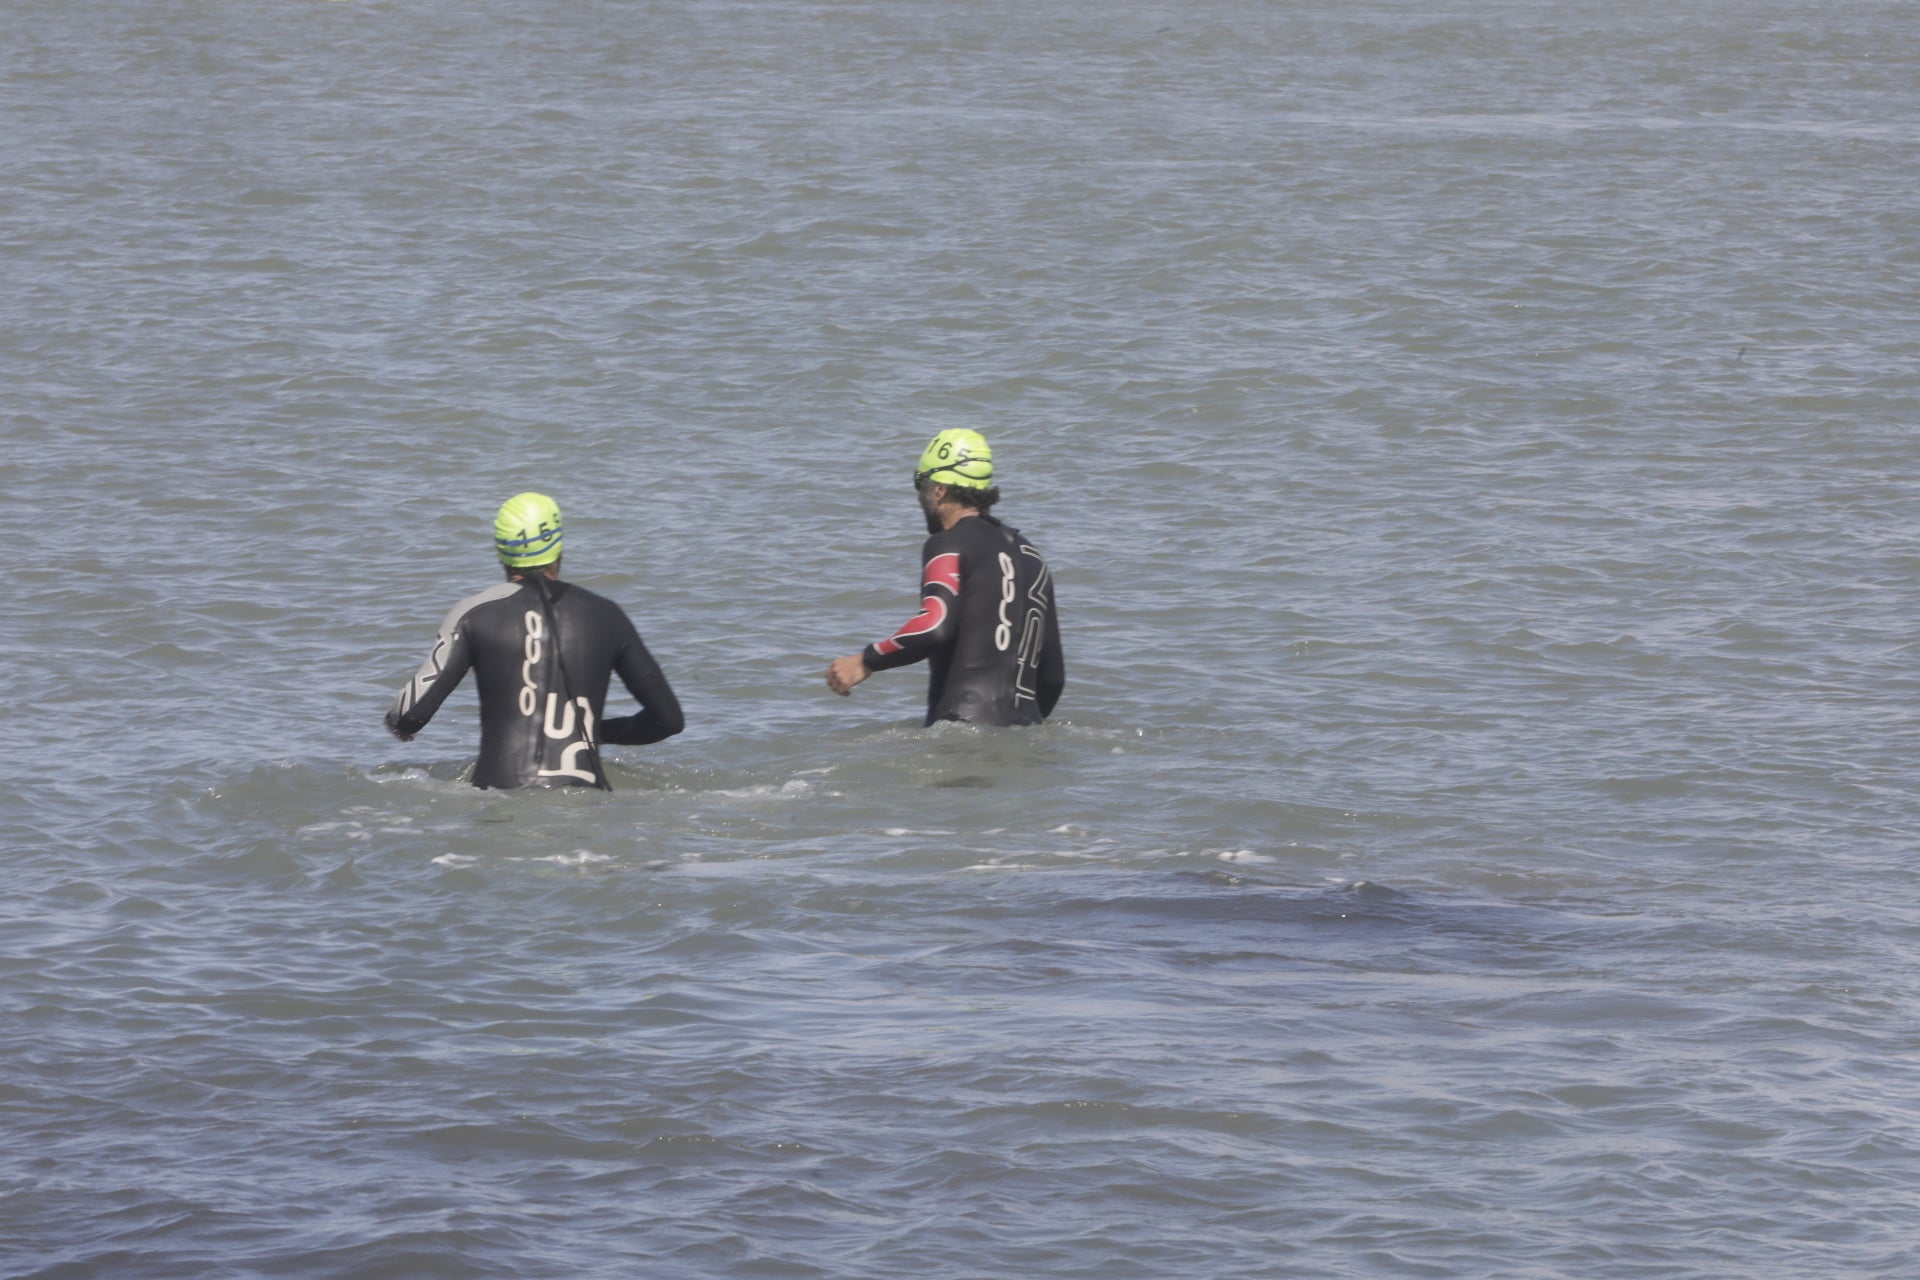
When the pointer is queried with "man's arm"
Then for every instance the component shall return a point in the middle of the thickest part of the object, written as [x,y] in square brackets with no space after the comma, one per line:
[930,630]
[659,715]
[445,667]
[924,634]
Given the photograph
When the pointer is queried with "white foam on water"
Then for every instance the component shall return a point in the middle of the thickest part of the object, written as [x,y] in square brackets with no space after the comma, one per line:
[578,858]
[765,791]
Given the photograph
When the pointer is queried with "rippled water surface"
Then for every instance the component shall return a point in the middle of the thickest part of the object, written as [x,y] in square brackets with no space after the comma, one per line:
[1475,443]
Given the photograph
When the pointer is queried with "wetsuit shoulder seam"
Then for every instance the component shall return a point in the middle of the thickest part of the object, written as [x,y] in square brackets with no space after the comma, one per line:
[499,591]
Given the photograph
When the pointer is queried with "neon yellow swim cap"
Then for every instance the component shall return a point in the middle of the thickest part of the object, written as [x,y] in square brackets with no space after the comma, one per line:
[526,533]
[958,457]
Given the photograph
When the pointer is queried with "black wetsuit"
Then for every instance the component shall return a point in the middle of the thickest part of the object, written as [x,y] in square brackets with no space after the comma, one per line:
[987,628]
[540,702]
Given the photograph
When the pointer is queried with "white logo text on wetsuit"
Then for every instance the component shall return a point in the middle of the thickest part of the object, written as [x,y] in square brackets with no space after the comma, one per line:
[529,703]
[1033,635]
[1003,634]
[536,632]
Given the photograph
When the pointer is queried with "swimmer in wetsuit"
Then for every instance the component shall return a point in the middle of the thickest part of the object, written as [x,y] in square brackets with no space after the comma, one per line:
[543,652]
[987,627]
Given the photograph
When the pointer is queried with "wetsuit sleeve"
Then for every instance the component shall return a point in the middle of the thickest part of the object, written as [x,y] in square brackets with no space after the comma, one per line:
[1051,678]
[659,715]
[932,628]
[444,668]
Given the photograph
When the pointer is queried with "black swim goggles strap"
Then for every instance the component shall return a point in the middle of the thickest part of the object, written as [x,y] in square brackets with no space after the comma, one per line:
[920,478]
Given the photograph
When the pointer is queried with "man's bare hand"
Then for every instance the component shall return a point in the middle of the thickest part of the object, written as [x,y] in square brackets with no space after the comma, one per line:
[844,673]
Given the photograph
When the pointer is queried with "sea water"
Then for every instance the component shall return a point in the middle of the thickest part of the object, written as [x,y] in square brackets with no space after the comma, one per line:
[1475,446]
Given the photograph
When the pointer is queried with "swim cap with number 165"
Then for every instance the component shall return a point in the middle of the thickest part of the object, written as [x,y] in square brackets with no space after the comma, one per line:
[958,457]
[526,533]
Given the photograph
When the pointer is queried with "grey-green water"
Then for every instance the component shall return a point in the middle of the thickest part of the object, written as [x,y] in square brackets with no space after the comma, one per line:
[1476,447]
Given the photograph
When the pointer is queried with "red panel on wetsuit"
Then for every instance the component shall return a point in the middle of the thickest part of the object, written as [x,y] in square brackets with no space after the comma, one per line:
[942,571]
[933,612]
